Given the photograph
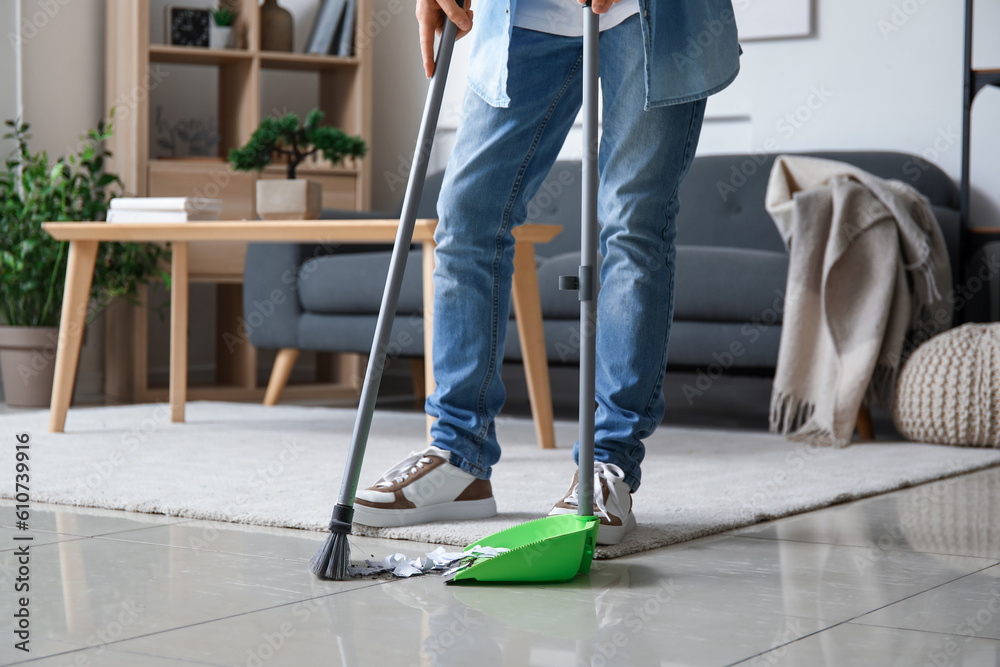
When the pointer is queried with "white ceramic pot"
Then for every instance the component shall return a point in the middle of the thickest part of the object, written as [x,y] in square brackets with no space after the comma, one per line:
[283,199]
[220,37]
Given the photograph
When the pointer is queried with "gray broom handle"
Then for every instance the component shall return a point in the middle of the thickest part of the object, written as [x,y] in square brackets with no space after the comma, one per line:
[588,264]
[400,250]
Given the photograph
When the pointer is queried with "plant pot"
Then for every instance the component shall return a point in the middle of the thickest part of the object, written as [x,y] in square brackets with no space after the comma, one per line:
[28,364]
[296,199]
[220,37]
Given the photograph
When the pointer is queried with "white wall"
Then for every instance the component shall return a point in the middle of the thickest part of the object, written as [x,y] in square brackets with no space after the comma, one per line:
[63,70]
[9,94]
[883,74]
[889,74]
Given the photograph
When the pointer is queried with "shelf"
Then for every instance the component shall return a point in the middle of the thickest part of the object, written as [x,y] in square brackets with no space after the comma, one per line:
[304,61]
[193,55]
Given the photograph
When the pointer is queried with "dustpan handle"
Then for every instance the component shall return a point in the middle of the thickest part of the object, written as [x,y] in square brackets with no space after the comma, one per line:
[588,262]
[400,251]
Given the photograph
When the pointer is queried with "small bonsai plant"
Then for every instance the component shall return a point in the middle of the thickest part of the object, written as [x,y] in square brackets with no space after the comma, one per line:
[286,137]
[34,190]
[224,17]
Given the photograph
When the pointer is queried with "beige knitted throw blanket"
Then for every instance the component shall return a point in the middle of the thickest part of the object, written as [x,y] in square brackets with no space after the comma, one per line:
[867,266]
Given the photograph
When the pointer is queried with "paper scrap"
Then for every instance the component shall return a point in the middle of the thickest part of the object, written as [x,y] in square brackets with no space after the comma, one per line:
[437,561]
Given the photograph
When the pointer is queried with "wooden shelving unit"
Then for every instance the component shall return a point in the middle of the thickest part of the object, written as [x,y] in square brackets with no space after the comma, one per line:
[343,93]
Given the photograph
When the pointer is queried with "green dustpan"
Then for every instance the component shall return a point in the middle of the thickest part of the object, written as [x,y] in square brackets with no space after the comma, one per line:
[555,548]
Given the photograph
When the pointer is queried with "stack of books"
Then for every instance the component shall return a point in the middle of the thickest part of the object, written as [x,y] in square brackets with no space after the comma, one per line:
[333,31]
[163,209]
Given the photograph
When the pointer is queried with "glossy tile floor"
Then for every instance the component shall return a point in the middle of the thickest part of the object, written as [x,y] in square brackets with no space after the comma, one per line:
[907,578]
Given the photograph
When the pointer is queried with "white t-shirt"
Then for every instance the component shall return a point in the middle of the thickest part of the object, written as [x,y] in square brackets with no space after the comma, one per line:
[563,17]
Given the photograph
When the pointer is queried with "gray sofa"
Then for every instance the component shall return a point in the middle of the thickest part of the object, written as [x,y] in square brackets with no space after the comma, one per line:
[731,268]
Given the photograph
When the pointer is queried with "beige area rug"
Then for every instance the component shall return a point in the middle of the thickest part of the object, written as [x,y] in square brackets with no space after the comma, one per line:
[282,466]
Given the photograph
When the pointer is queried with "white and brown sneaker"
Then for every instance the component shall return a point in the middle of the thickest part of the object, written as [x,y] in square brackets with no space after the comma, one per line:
[612,503]
[424,487]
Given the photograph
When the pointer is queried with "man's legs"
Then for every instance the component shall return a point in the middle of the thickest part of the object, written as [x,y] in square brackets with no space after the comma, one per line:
[500,159]
[644,156]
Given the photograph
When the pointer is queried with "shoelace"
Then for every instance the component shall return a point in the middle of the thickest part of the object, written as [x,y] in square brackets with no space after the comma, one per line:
[607,472]
[402,470]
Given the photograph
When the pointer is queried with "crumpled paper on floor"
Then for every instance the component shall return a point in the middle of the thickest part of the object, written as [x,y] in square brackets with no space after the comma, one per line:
[438,561]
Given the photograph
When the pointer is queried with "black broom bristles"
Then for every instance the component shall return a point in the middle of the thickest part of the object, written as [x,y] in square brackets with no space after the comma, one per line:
[334,557]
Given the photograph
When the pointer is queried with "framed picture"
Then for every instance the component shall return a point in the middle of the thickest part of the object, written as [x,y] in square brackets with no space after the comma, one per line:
[773,19]
[188,27]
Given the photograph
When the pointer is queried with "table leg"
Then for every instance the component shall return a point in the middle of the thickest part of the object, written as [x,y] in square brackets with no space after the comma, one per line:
[428,287]
[528,313]
[178,330]
[79,277]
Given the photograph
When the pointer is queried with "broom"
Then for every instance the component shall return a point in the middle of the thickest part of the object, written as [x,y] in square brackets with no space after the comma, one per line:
[334,557]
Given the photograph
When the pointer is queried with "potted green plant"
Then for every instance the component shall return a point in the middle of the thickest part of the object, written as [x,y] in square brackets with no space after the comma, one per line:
[221,32]
[33,190]
[292,141]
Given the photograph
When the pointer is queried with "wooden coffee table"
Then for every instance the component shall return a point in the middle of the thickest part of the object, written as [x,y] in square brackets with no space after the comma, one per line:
[84,238]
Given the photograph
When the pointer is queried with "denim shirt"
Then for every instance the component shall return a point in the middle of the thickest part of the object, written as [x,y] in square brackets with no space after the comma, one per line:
[691,49]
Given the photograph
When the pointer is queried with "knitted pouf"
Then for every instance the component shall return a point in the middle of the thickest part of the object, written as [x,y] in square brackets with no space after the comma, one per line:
[948,392]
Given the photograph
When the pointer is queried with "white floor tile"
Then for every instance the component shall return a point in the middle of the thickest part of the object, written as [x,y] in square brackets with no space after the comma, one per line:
[91,591]
[968,607]
[423,622]
[803,580]
[287,543]
[958,516]
[849,644]
[83,521]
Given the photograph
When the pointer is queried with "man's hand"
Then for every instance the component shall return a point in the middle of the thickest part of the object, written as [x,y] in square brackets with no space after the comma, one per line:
[600,6]
[431,16]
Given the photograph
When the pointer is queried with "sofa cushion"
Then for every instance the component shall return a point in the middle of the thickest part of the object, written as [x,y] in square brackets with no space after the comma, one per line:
[353,284]
[712,284]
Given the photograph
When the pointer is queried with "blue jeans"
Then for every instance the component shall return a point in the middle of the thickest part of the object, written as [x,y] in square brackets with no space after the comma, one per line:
[500,160]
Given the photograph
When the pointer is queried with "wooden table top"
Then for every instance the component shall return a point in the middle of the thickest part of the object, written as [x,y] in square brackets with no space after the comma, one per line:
[360,231]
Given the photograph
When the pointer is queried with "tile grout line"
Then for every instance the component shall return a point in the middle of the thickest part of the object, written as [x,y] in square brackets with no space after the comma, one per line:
[928,632]
[194,625]
[849,620]
[858,546]
[212,551]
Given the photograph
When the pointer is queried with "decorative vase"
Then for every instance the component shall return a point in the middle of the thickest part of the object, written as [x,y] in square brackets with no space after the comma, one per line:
[277,27]
[28,365]
[220,37]
[296,199]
